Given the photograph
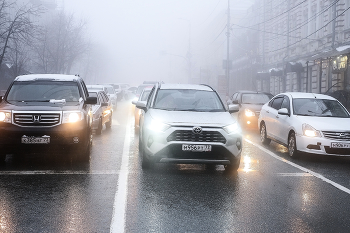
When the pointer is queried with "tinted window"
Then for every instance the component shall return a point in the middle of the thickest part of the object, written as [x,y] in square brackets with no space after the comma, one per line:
[319,108]
[44,91]
[255,98]
[276,104]
[188,100]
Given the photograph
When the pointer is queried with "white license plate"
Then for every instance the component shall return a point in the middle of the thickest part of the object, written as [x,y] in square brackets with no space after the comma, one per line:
[340,145]
[196,147]
[36,140]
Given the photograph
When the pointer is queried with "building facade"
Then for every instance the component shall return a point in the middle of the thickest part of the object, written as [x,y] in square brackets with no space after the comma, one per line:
[293,45]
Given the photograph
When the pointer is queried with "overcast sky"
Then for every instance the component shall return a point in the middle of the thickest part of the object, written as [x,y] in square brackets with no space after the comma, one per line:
[138,32]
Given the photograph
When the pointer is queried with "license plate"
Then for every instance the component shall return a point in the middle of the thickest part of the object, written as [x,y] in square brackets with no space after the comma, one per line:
[199,148]
[36,140]
[340,145]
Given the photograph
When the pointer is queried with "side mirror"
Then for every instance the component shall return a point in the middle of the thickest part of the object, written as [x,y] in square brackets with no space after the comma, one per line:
[283,111]
[235,102]
[141,105]
[233,108]
[134,102]
[104,104]
[91,100]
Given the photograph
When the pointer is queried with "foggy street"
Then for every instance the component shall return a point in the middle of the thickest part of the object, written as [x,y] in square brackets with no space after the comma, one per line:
[269,192]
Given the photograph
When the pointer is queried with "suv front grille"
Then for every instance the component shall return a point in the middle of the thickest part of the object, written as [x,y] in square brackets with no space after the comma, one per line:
[344,136]
[36,119]
[189,136]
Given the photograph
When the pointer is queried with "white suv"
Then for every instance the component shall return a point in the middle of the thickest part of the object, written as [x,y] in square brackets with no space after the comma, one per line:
[185,124]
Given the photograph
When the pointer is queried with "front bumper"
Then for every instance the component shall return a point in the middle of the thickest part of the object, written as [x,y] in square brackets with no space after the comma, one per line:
[64,136]
[162,147]
[320,145]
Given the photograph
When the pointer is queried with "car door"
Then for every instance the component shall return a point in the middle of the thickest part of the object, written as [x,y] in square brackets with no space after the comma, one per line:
[105,111]
[283,122]
[270,118]
[143,113]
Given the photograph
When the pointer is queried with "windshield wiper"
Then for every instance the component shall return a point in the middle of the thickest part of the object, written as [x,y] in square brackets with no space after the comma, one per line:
[33,100]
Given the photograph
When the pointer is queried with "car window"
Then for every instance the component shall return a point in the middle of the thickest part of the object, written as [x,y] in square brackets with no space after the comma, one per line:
[105,97]
[285,103]
[234,96]
[255,98]
[151,94]
[145,95]
[94,94]
[44,91]
[319,108]
[188,100]
[277,102]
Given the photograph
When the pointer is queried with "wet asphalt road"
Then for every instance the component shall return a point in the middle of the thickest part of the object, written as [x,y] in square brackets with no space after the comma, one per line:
[269,193]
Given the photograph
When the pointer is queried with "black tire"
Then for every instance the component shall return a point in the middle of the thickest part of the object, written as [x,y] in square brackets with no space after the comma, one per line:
[263,135]
[146,163]
[84,154]
[234,165]
[99,128]
[2,158]
[109,123]
[292,146]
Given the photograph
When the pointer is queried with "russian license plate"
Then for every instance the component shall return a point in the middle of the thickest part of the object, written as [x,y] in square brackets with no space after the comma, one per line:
[199,148]
[36,140]
[340,145]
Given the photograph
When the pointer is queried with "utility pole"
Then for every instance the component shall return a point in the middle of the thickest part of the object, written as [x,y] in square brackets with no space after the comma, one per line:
[228,49]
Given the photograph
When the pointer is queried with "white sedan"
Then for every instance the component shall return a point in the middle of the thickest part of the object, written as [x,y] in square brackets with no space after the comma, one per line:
[306,122]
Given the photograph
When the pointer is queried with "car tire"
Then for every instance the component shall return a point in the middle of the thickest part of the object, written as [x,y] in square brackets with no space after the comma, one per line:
[292,146]
[109,123]
[84,154]
[146,163]
[99,128]
[2,158]
[263,135]
[234,165]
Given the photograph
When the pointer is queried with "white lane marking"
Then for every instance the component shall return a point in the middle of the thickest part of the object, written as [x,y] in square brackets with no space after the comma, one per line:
[120,198]
[55,172]
[342,188]
[294,174]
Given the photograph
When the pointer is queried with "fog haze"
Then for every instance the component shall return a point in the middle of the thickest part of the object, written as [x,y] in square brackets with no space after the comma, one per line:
[150,40]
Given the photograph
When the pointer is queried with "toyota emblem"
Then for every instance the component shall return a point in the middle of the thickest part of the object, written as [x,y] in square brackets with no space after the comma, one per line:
[197,130]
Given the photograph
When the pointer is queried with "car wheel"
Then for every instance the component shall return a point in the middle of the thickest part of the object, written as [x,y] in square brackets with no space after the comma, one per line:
[146,163]
[99,128]
[292,146]
[263,135]
[84,154]
[109,123]
[234,165]
[2,158]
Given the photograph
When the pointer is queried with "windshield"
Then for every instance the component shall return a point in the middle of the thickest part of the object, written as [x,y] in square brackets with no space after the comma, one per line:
[44,91]
[319,108]
[255,98]
[188,100]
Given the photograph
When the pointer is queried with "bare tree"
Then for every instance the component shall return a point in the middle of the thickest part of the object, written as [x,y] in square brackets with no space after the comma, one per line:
[16,27]
[60,44]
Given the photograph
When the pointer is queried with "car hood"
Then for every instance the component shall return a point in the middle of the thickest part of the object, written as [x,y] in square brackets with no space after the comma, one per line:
[185,118]
[327,123]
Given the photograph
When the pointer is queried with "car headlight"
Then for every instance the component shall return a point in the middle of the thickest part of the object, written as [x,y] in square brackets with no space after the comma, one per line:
[310,131]
[5,117]
[233,128]
[71,117]
[249,113]
[158,126]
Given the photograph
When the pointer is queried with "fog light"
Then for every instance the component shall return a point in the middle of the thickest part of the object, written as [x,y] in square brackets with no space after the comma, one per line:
[150,141]
[239,144]
[248,122]
[76,139]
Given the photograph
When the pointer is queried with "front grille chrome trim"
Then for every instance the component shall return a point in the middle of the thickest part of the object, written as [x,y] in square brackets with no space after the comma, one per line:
[36,118]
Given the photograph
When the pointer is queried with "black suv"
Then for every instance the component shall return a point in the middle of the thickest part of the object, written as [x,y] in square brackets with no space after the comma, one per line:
[46,112]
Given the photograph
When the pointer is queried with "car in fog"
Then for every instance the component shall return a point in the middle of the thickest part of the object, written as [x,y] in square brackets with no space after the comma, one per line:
[102,111]
[188,124]
[249,104]
[46,112]
[137,112]
[109,90]
[306,122]
[140,89]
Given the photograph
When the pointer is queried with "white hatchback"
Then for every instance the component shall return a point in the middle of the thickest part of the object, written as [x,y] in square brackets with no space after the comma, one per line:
[306,122]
